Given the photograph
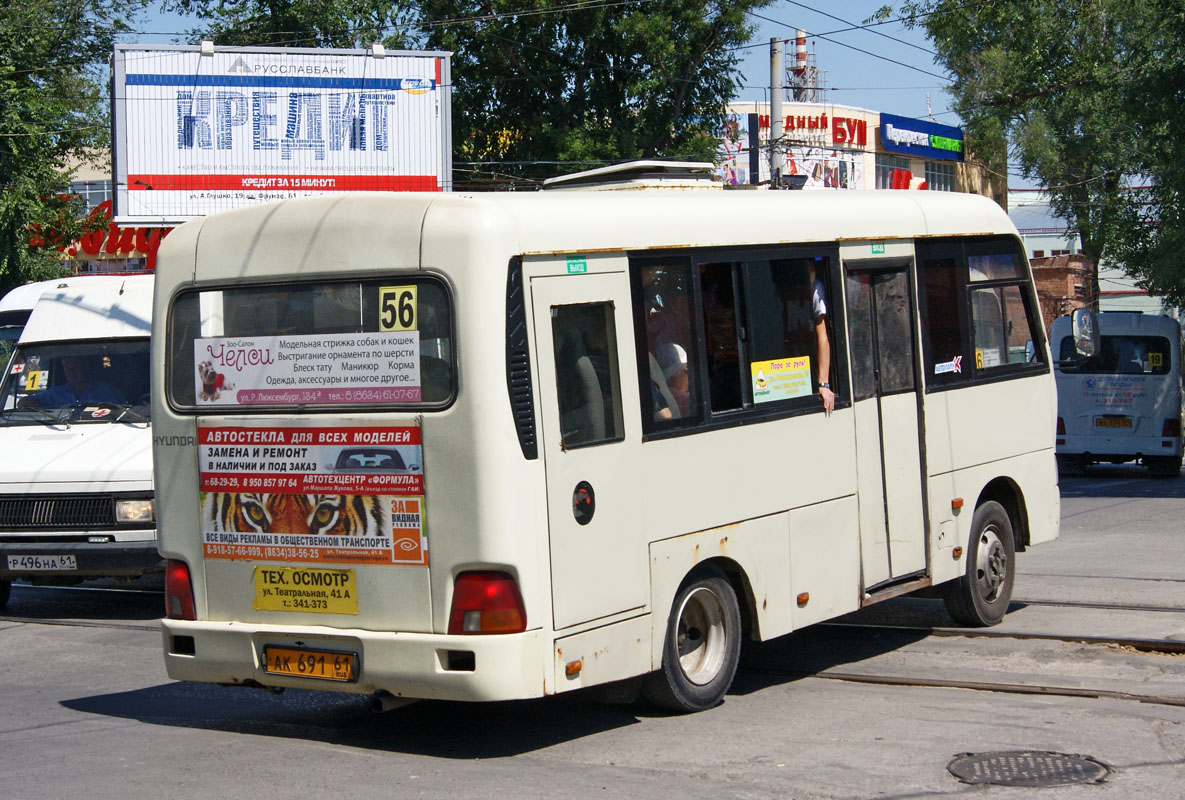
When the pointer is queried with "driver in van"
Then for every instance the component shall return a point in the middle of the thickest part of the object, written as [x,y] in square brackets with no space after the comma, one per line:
[81,386]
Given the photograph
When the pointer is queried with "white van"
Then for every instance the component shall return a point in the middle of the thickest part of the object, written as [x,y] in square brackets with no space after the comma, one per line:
[1124,402]
[15,308]
[76,497]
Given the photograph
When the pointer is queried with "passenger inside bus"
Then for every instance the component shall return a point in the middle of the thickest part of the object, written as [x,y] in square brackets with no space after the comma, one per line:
[672,360]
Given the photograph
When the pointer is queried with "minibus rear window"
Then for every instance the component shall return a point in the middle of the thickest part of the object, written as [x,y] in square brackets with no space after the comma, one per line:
[1120,355]
[381,342]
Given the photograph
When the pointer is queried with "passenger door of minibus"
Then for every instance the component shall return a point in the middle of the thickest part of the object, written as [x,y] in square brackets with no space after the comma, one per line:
[881,325]
[591,436]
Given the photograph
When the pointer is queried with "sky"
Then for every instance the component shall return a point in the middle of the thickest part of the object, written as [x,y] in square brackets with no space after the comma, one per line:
[885,67]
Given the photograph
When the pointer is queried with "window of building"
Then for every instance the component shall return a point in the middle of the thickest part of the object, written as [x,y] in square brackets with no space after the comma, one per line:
[940,176]
[1038,254]
[885,166]
[93,192]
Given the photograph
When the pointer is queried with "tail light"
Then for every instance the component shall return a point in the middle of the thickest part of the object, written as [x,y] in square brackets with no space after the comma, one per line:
[178,591]
[1061,426]
[1172,427]
[487,602]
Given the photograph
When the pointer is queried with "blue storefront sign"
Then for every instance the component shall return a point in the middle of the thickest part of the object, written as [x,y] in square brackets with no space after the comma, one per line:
[921,138]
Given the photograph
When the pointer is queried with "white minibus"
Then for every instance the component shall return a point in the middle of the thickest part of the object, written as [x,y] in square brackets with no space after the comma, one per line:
[76,496]
[495,446]
[1123,403]
[15,307]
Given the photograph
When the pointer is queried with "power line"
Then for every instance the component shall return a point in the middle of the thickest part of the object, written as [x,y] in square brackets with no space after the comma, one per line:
[852,47]
[868,28]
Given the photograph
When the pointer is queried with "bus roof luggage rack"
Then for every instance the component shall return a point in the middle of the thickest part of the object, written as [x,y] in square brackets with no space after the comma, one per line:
[633,175]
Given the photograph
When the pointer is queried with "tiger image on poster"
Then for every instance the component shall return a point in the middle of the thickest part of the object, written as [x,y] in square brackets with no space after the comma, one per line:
[316,514]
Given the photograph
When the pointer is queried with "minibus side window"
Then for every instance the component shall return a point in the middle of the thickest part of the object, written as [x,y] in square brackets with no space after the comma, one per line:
[669,356]
[1002,325]
[979,313]
[943,339]
[781,302]
[586,374]
[723,336]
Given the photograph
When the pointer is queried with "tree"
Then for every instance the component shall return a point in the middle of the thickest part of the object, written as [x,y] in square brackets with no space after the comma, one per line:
[301,23]
[53,111]
[1151,243]
[566,86]
[551,87]
[1047,81]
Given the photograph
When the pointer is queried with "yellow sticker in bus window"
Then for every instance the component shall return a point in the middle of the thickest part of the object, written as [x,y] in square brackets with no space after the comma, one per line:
[397,308]
[35,381]
[979,359]
[781,379]
[307,589]
[1155,360]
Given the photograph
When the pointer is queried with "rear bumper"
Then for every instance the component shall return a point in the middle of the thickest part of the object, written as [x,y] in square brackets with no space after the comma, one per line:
[408,665]
[93,559]
[1109,447]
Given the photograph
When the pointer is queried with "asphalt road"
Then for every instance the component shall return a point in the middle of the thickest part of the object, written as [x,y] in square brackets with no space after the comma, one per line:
[875,707]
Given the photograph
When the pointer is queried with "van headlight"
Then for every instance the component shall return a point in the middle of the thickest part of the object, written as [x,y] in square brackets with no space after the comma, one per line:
[133,510]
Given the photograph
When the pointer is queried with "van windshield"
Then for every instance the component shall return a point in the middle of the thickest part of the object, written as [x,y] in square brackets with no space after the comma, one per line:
[62,382]
[375,342]
[1120,355]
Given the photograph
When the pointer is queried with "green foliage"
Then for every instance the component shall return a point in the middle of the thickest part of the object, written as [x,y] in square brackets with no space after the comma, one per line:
[300,23]
[540,87]
[585,84]
[1151,246]
[53,109]
[1084,93]
[1045,81]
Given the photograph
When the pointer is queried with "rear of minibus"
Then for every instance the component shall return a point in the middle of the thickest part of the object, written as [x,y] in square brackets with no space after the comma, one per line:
[1124,403]
[343,501]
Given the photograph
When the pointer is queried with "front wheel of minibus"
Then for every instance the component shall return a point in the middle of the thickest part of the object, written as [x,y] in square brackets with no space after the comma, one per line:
[980,597]
[5,588]
[702,645]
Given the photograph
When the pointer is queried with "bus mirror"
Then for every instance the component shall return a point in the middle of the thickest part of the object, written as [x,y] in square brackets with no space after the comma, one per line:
[1086,331]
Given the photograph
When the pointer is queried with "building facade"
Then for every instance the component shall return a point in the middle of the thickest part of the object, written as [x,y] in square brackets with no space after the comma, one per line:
[830,146]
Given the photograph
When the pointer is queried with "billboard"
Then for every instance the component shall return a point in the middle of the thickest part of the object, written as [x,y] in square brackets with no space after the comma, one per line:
[822,166]
[199,129]
[921,139]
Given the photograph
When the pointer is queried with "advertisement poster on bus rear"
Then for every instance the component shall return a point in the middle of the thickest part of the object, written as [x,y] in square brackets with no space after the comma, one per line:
[339,494]
[376,367]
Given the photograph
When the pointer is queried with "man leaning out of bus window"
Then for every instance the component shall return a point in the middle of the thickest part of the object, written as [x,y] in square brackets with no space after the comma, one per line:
[819,314]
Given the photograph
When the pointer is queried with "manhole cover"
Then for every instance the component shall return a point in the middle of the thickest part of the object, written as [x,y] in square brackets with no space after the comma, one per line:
[1027,768]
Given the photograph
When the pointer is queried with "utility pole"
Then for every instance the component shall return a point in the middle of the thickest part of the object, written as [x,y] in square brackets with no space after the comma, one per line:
[776,121]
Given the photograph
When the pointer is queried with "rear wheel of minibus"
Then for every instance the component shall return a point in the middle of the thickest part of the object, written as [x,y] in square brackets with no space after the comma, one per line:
[702,645]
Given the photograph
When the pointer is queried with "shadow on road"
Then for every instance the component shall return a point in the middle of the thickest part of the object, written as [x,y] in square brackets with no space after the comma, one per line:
[1121,480]
[92,600]
[430,728]
[465,730]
